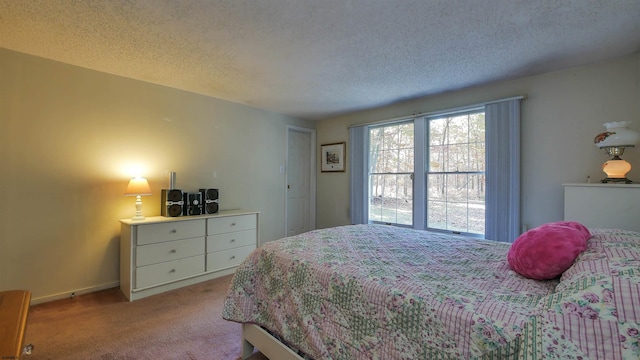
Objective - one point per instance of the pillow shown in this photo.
(547, 251)
(573, 224)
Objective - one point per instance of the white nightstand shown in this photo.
(603, 205)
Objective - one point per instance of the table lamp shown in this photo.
(138, 187)
(613, 142)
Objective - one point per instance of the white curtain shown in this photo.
(502, 122)
(359, 162)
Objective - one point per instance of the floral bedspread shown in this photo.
(381, 292)
(594, 312)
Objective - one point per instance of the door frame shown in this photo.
(312, 176)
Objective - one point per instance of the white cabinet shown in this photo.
(603, 205)
(161, 253)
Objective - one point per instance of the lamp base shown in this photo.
(616, 170)
(616, 180)
(138, 215)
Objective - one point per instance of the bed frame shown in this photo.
(255, 336)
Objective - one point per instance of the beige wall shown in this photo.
(563, 112)
(70, 138)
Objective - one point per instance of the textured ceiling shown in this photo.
(319, 58)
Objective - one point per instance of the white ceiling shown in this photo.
(315, 59)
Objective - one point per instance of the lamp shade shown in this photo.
(138, 186)
(617, 134)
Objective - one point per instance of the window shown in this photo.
(455, 173)
(468, 166)
(391, 173)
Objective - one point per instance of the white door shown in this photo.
(300, 186)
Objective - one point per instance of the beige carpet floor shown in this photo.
(180, 324)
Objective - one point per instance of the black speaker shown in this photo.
(171, 203)
(192, 203)
(210, 203)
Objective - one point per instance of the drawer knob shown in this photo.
(172, 270)
(173, 231)
(233, 224)
(173, 251)
(233, 257)
(233, 240)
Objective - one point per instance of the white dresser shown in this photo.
(164, 253)
(603, 205)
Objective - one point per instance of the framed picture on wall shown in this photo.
(333, 157)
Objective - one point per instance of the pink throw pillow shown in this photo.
(547, 251)
(573, 224)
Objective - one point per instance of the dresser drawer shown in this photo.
(231, 240)
(225, 224)
(168, 271)
(168, 251)
(227, 258)
(174, 230)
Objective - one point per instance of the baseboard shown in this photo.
(68, 294)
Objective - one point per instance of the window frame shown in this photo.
(427, 172)
(370, 173)
(421, 143)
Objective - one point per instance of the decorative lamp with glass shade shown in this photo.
(138, 187)
(613, 142)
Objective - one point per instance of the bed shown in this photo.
(382, 292)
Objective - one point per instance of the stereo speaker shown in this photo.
(192, 203)
(171, 203)
(210, 202)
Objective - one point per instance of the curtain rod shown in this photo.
(439, 112)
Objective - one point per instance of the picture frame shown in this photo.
(333, 157)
